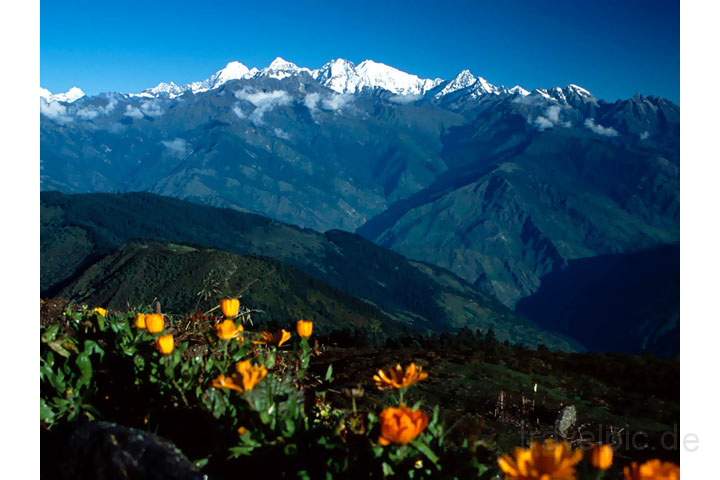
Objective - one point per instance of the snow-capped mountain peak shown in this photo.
(463, 79)
(577, 89)
(233, 71)
(281, 64)
(378, 75)
(70, 96)
(171, 89)
(345, 77)
(281, 68)
(338, 75)
(518, 90)
(482, 87)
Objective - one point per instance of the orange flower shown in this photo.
(140, 321)
(401, 425)
(242, 431)
(602, 457)
(652, 470)
(399, 377)
(226, 382)
(280, 338)
(227, 330)
(550, 460)
(251, 374)
(283, 337)
(165, 344)
(304, 328)
(155, 322)
(264, 338)
(230, 307)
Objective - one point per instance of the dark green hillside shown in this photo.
(622, 301)
(415, 294)
(186, 279)
(507, 219)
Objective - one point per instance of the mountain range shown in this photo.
(505, 187)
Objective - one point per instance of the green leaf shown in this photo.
(139, 362)
(46, 412)
(86, 372)
(100, 321)
(329, 373)
(289, 427)
(59, 348)
(426, 450)
(91, 346)
(50, 333)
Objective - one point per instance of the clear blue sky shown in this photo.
(615, 48)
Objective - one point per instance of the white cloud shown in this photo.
(543, 123)
(263, 101)
(90, 112)
(335, 102)
(550, 119)
(177, 147)
(151, 108)
(311, 101)
(133, 112)
(599, 129)
(54, 110)
(404, 99)
(238, 111)
(332, 103)
(553, 113)
(87, 113)
(280, 133)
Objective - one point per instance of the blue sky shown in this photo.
(615, 48)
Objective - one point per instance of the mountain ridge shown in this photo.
(414, 294)
(338, 74)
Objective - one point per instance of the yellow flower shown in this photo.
(280, 338)
(251, 374)
(401, 425)
(399, 377)
(140, 321)
(155, 322)
(242, 431)
(652, 470)
(550, 460)
(165, 344)
(304, 328)
(226, 382)
(602, 457)
(227, 330)
(100, 311)
(230, 307)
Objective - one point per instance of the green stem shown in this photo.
(182, 394)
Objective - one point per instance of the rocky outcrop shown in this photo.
(107, 451)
